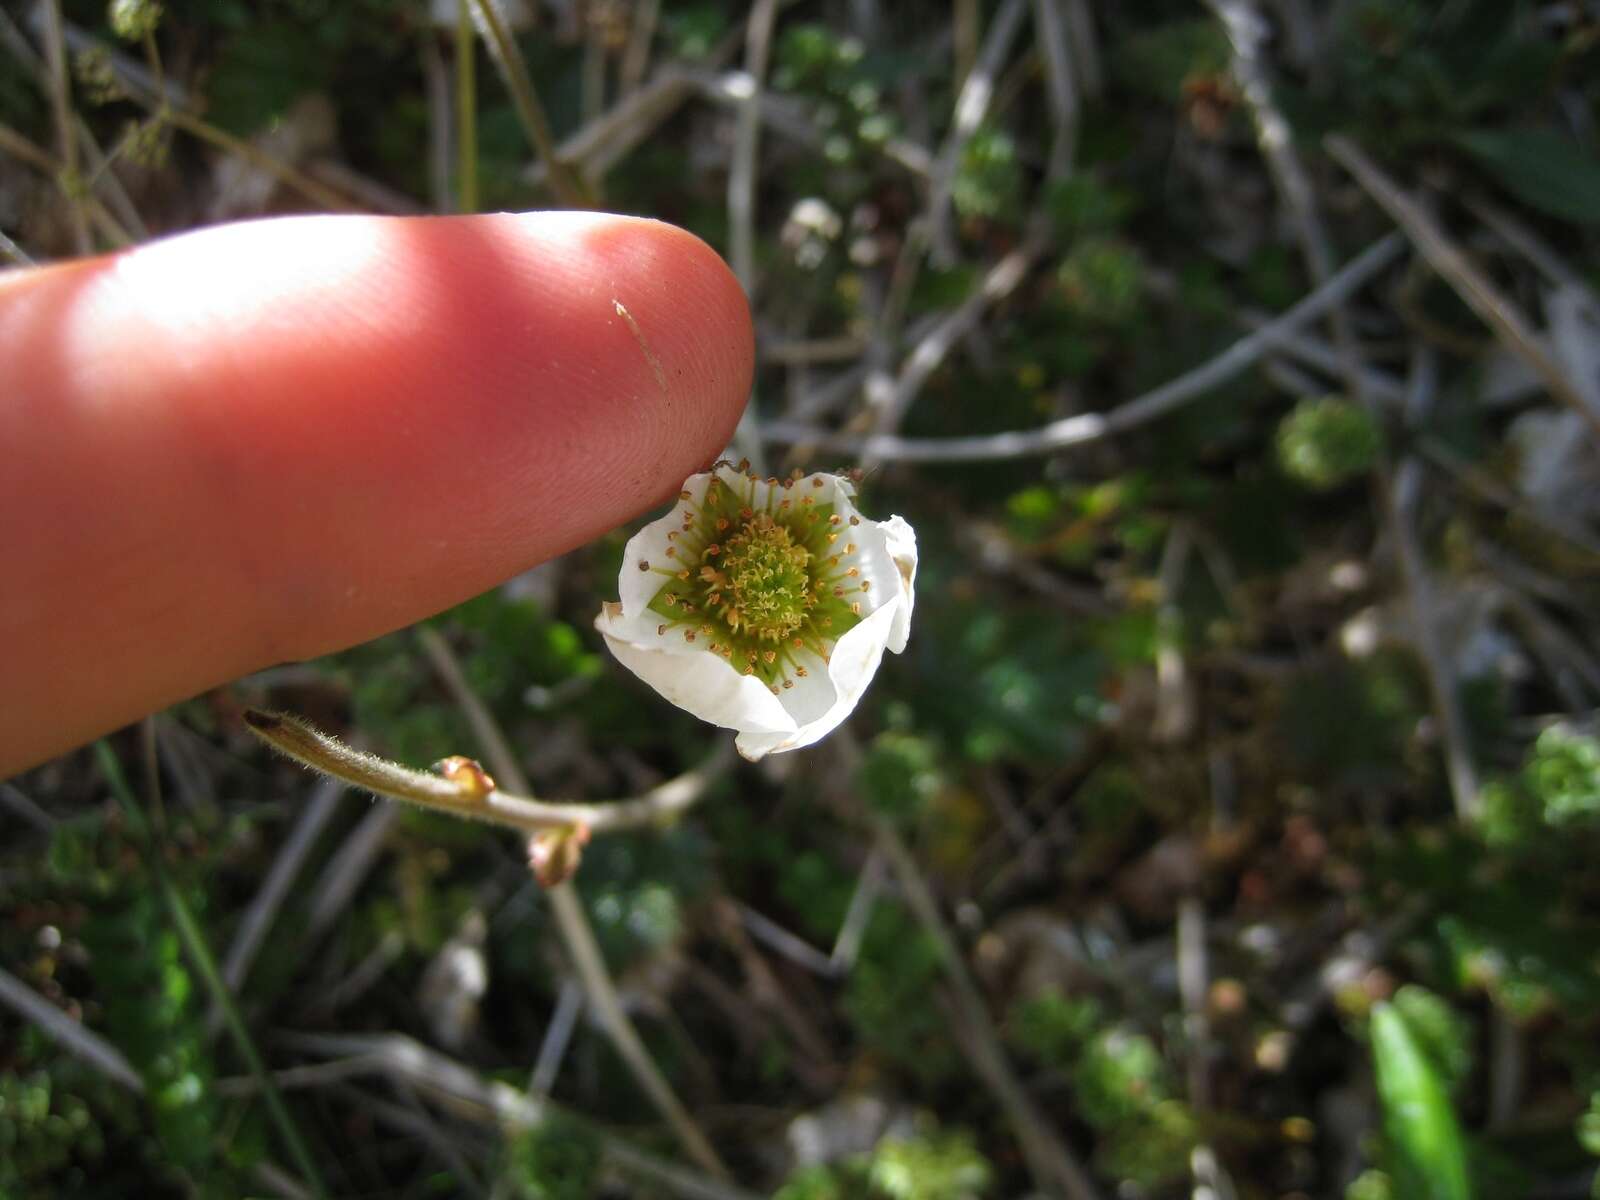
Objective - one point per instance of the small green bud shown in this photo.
(134, 20)
(1325, 443)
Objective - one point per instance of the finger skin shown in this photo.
(263, 442)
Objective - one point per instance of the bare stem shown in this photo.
(466, 111)
(1053, 1166)
(1470, 282)
(529, 111)
(473, 795)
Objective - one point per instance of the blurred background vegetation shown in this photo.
(1227, 829)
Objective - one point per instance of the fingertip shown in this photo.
(271, 440)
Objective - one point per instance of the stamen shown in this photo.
(672, 551)
(800, 671)
(855, 520)
(644, 564)
(684, 495)
(849, 547)
(688, 635)
(866, 585)
(856, 608)
(661, 631)
(817, 482)
(787, 684)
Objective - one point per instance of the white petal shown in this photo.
(854, 662)
(696, 680)
(902, 543)
(813, 693)
(649, 545)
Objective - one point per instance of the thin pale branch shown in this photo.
(498, 1103)
(1091, 427)
(1471, 283)
(69, 1034)
(575, 930)
(529, 111)
(1052, 1164)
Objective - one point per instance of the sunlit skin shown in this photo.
(263, 442)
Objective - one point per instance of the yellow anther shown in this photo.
(688, 635)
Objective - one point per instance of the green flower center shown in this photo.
(762, 575)
(769, 577)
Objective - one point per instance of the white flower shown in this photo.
(763, 605)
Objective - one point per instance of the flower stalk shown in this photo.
(462, 788)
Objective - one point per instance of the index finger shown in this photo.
(266, 441)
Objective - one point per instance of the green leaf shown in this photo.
(1544, 170)
(1420, 1124)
